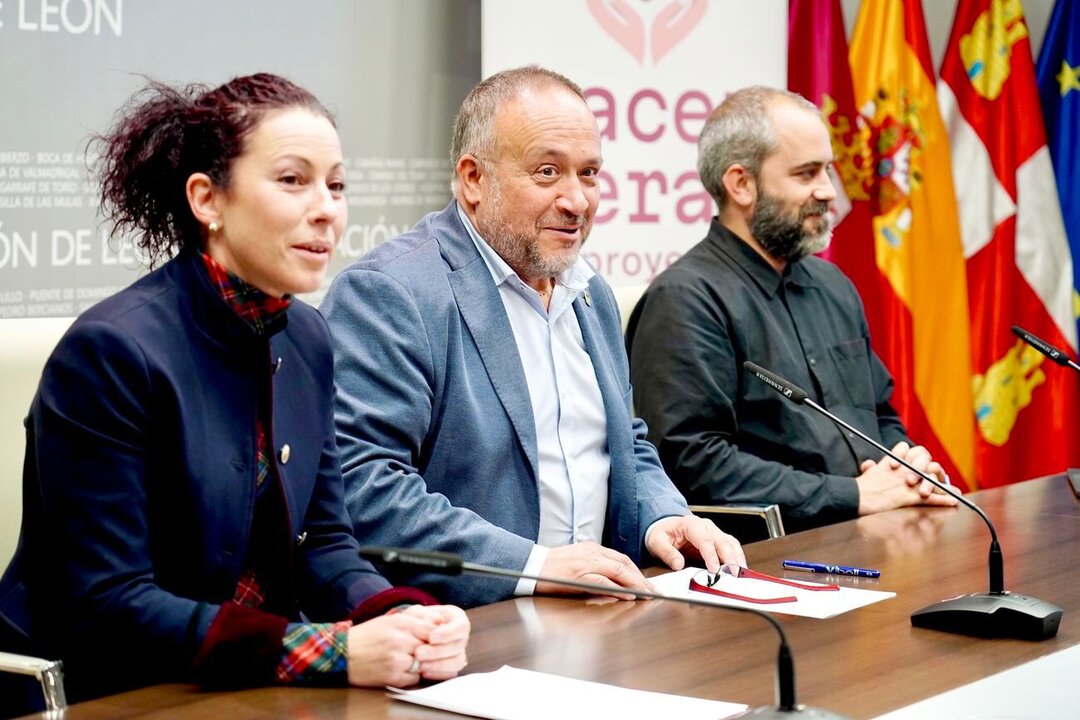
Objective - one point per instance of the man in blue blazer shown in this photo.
(484, 403)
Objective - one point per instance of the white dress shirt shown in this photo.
(568, 409)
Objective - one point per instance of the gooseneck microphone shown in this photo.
(996, 613)
(1058, 356)
(452, 564)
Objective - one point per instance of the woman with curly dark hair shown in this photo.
(183, 503)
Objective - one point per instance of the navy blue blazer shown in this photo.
(139, 480)
(434, 420)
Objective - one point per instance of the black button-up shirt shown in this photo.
(723, 435)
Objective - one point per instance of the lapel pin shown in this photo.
(588, 300)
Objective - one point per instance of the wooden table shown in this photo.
(862, 663)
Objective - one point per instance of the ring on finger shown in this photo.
(414, 668)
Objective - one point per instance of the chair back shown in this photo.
(25, 345)
(27, 684)
(626, 297)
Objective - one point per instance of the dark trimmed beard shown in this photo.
(521, 250)
(784, 235)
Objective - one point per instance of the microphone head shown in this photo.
(791, 391)
(1042, 346)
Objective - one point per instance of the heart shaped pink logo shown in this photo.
(672, 24)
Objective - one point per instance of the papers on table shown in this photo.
(513, 694)
(809, 603)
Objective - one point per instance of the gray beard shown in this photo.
(521, 251)
(783, 235)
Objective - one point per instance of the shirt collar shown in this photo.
(759, 269)
(252, 305)
(575, 278)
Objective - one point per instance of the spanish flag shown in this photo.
(906, 175)
(1018, 262)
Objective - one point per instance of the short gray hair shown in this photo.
(740, 132)
(474, 126)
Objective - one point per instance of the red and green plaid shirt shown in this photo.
(308, 649)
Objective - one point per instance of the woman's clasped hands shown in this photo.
(400, 649)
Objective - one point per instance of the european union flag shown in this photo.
(1058, 73)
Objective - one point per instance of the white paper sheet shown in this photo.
(808, 603)
(510, 693)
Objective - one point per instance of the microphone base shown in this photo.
(992, 615)
(801, 712)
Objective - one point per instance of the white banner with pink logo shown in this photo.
(652, 71)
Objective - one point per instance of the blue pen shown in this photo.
(830, 569)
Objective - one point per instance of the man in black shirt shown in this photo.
(751, 290)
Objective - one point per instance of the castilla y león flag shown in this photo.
(1018, 263)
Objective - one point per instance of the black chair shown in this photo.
(748, 523)
(33, 684)
(28, 684)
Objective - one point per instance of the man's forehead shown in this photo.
(535, 128)
(802, 139)
(558, 150)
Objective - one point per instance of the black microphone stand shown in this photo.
(996, 613)
(445, 563)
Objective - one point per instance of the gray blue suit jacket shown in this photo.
(434, 421)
